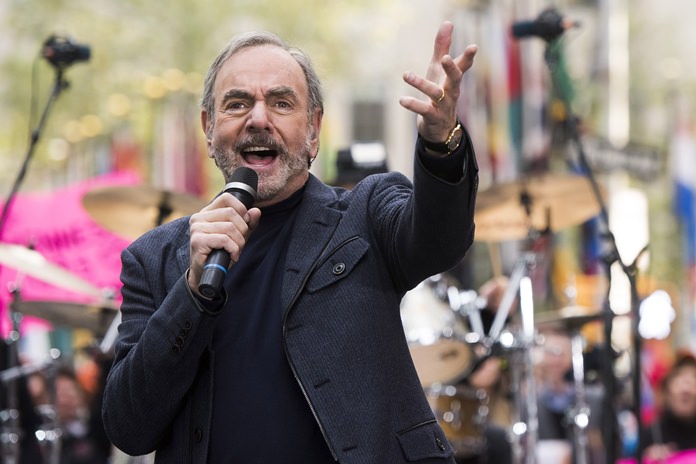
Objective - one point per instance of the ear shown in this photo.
(315, 130)
(206, 130)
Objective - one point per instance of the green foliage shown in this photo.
(136, 42)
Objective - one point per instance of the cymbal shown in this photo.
(555, 202)
(95, 317)
(34, 264)
(568, 318)
(130, 211)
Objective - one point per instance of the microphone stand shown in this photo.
(59, 85)
(610, 256)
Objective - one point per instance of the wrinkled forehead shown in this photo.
(261, 67)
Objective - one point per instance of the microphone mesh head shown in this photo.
(247, 176)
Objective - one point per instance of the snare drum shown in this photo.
(462, 412)
(435, 334)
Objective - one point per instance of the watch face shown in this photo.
(455, 138)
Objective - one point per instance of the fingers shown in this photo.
(444, 73)
(466, 60)
(435, 93)
(442, 67)
(440, 86)
(441, 47)
(225, 224)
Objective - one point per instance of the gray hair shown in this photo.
(255, 39)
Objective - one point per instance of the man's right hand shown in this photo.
(224, 224)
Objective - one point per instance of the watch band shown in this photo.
(454, 139)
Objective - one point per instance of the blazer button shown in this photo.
(339, 268)
(198, 435)
(440, 444)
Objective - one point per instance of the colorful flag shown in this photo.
(683, 171)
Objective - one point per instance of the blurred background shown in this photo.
(128, 116)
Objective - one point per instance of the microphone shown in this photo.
(549, 25)
(61, 52)
(243, 187)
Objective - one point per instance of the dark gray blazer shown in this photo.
(352, 256)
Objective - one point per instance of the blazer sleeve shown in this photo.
(155, 361)
(427, 228)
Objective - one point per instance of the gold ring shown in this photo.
(442, 96)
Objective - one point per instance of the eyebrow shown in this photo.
(281, 91)
(236, 94)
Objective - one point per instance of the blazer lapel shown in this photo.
(314, 226)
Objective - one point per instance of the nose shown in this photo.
(259, 117)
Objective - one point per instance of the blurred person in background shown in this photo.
(82, 439)
(674, 430)
(557, 405)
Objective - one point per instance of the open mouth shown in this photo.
(258, 155)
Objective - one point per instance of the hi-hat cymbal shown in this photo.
(95, 317)
(34, 264)
(569, 318)
(555, 202)
(130, 211)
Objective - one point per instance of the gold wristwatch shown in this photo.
(451, 144)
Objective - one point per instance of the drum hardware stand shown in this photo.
(529, 434)
(50, 432)
(106, 346)
(580, 413)
(525, 434)
(468, 304)
(12, 434)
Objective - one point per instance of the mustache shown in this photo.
(264, 140)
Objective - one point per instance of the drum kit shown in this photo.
(442, 323)
(125, 211)
(446, 335)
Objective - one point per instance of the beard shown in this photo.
(290, 164)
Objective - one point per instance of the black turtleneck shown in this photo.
(259, 413)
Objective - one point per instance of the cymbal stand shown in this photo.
(11, 435)
(579, 414)
(11, 432)
(525, 429)
(50, 432)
